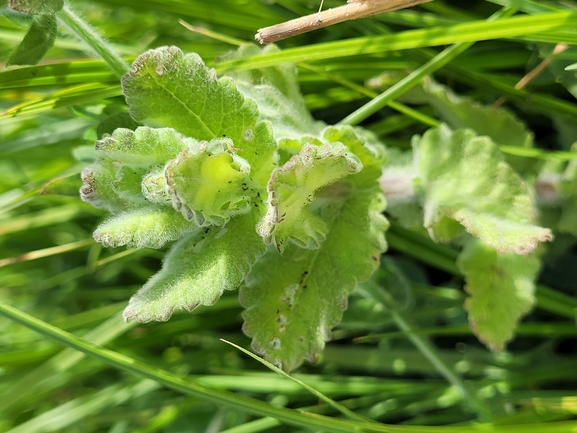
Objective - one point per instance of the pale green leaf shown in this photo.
(293, 300)
(502, 126)
(281, 77)
(178, 91)
(501, 289)
(361, 142)
(276, 91)
(106, 185)
(210, 183)
(155, 188)
(144, 147)
(291, 214)
(206, 181)
(498, 123)
(464, 177)
(198, 269)
(145, 227)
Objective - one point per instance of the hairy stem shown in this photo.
(84, 32)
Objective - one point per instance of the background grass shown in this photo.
(52, 270)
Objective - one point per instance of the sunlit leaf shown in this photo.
(291, 215)
(198, 269)
(277, 93)
(150, 227)
(501, 289)
(179, 91)
(463, 177)
(293, 300)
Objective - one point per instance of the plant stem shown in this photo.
(84, 32)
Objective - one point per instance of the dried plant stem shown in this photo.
(534, 73)
(354, 9)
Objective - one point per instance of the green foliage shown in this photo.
(291, 192)
(464, 177)
(276, 91)
(205, 182)
(229, 173)
(41, 33)
(198, 269)
(502, 290)
(293, 299)
(499, 124)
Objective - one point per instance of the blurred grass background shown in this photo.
(51, 269)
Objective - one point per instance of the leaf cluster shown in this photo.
(225, 182)
(219, 179)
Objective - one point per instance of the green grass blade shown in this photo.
(345, 411)
(467, 32)
(248, 404)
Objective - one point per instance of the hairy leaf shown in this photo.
(179, 91)
(38, 40)
(198, 269)
(114, 181)
(210, 183)
(502, 290)
(464, 177)
(40, 7)
(144, 147)
(293, 300)
(498, 123)
(108, 186)
(291, 194)
(145, 227)
(276, 91)
(360, 142)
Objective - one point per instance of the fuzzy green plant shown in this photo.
(255, 194)
(266, 196)
(218, 191)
